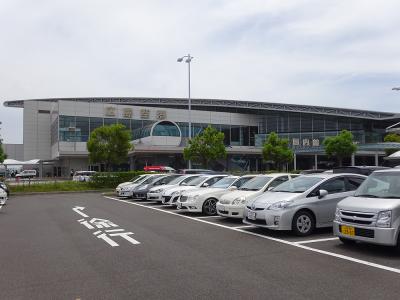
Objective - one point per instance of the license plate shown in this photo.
(179, 205)
(251, 215)
(347, 230)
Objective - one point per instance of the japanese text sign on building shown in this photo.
(161, 115)
(109, 111)
(145, 113)
(127, 113)
(105, 229)
(306, 142)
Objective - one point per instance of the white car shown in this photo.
(155, 193)
(83, 176)
(134, 180)
(170, 196)
(3, 198)
(127, 190)
(232, 205)
(205, 200)
(27, 174)
(302, 204)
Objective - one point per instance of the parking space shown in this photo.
(321, 241)
(131, 249)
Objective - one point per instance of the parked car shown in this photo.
(302, 204)
(372, 215)
(312, 171)
(4, 187)
(26, 174)
(232, 204)
(155, 193)
(205, 200)
(3, 198)
(364, 170)
(195, 171)
(134, 180)
(170, 196)
(140, 192)
(159, 169)
(127, 190)
(83, 176)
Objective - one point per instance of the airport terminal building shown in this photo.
(56, 131)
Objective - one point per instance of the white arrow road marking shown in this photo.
(78, 209)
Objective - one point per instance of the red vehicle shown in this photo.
(164, 169)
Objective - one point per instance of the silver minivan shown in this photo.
(302, 204)
(373, 214)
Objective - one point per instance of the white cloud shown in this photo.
(337, 53)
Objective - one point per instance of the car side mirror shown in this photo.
(183, 183)
(270, 188)
(322, 193)
(233, 188)
(205, 184)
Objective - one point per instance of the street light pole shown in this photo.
(188, 61)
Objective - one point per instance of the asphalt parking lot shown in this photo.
(88, 246)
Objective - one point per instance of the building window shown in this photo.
(165, 129)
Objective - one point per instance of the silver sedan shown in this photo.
(301, 204)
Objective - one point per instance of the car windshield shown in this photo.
(298, 185)
(151, 179)
(224, 182)
(166, 179)
(197, 180)
(380, 185)
(138, 178)
(256, 183)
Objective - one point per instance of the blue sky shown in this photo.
(334, 53)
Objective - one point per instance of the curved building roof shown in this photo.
(224, 105)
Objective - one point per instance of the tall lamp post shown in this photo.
(188, 58)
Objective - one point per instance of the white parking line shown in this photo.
(316, 241)
(205, 217)
(294, 244)
(244, 226)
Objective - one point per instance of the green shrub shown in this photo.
(50, 186)
(112, 179)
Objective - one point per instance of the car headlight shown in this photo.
(280, 205)
(193, 197)
(177, 193)
(224, 201)
(337, 214)
(384, 219)
(158, 191)
(240, 200)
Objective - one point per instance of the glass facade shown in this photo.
(301, 129)
(309, 130)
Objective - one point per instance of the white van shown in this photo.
(27, 174)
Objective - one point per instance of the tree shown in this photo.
(391, 138)
(340, 146)
(277, 150)
(205, 147)
(3, 155)
(109, 145)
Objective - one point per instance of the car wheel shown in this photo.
(347, 241)
(210, 207)
(303, 223)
